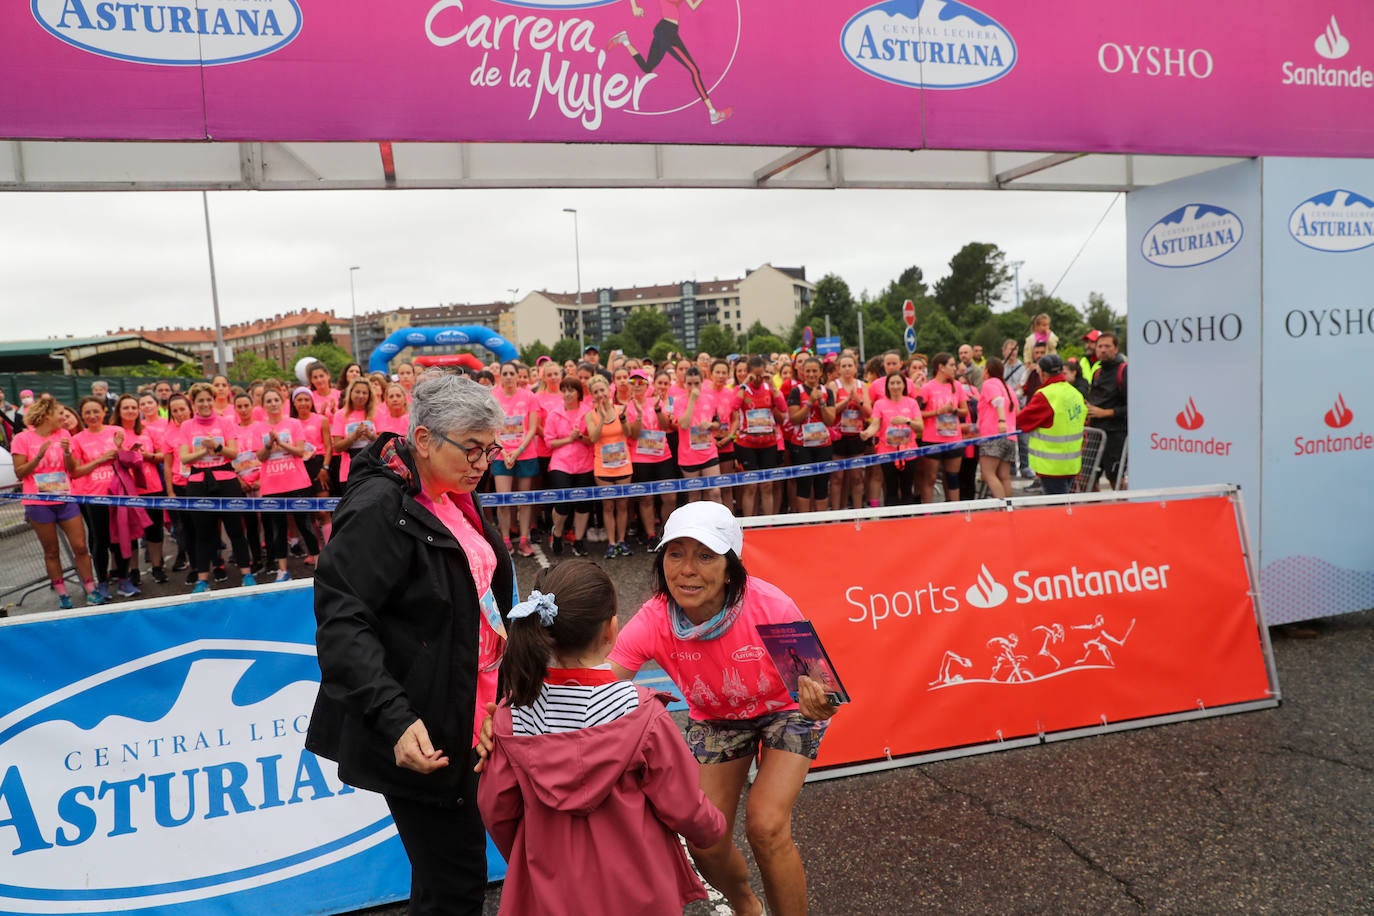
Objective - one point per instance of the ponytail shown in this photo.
(565, 613)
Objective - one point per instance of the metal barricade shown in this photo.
(22, 573)
(1094, 441)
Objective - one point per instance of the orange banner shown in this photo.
(970, 628)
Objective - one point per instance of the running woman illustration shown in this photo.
(668, 41)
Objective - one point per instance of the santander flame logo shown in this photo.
(1339, 415)
(1331, 44)
(987, 592)
(1190, 418)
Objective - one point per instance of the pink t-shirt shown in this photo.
(944, 426)
(197, 430)
(246, 463)
(342, 425)
(521, 413)
(172, 441)
(730, 677)
(994, 389)
(86, 447)
(575, 457)
(282, 472)
(892, 438)
(50, 476)
(324, 403)
(877, 389)
(695, 444)
(313, 429)
(147, 444)
(386, 423)
(651, 445)
(544, 402)
(482, 562)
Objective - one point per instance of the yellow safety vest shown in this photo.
(1088, 369)
(1057, 451)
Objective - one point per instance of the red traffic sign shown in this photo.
(909, 313)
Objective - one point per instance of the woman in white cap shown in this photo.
(700, 627)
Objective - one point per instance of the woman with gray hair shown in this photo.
(411, 595)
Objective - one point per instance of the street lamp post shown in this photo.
(1016, 268)
(577, 255)
(354, 299)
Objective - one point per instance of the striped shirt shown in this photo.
(566, 707)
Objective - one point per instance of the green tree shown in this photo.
(660, 348)
(249, 367)
(1064, 318)
(937, 334)
(334, 357)
(910, 284)
(566, 349)
(978, 274)
(642, 329)
(718, 340)
(530, 355)
(323, 334)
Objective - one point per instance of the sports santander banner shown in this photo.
(964, 629)
(1163, 77)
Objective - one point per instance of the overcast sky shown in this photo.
(85, 264)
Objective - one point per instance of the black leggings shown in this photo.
(562, 480)
(203, 485)
(274, 525)
(668, 41)
(98, 541)
(898, 489)
(817, 484)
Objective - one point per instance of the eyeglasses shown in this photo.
(477, 452)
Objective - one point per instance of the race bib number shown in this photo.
(815, 435)
(897, 436)
(283, 437)
(699, 438)
(758, 421)
(52, 482)
(351, 428)
(851, 421)
(652, 442)
(614, 455)
(512, 429)
(947, 425)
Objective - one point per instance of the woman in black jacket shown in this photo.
(410, 598)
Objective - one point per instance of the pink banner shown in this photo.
(1164, 77)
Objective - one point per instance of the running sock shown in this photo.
(59, 586)
(90, 585)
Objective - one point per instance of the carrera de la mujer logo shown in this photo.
(180, 33)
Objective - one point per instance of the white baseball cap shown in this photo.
(708, 522)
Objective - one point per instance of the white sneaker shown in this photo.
(720, 114)
(619, 38)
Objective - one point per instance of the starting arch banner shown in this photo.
(1223, 78)
(966, 630)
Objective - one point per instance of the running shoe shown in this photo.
(297, 549)
(94, 597)
(182, 563)
(579, 548)
(619, 38)
(525, 549)
(103, 590)
(127, 589)
(249, 581)
(624, 549)
(136, 577)
(283, 575)
(556, 545)
(720, 114)
(221, 574)
(159, 575)
(612, 550)
(64, 602)
(202, 585)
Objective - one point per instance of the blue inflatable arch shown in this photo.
(440, 337)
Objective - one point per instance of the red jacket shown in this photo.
(588, 819)
(1037, 412)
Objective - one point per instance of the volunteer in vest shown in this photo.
(761, 411)
(811, 412)
(281, 450)
(1054, 418)
(896, 427)
(700, 627)
(650, 459)
(852, 409)
(44, 463)
(996, 417)
(694, 415)
(517, 468)
(944, 407)
(1107, 405)
(404, 593)
(208, 448)
(610, 462)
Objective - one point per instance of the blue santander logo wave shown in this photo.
(1193, 234)
(1336, 220)
(160, 769)
(175, 33)
(929, 44)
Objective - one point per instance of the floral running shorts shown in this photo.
(723, 740)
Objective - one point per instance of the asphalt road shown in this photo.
(1264, 812)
